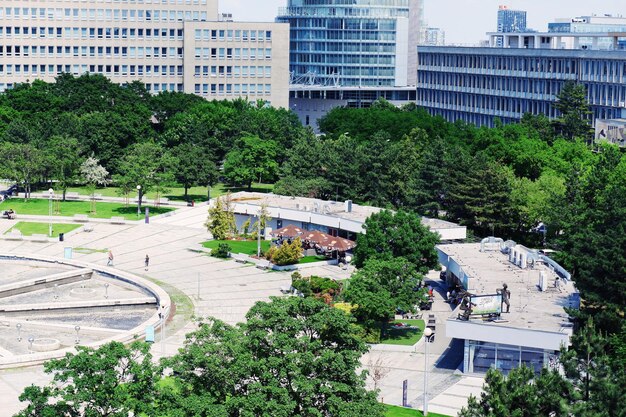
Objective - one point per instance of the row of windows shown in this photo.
(516, 63)
(90, 33)
(232, 71)
(355, 35)
(233, 53)
(92, 51)
(346, 47)
(230, 35)
(233, 89)
(130, 15)
(338, 59)
(77, 69)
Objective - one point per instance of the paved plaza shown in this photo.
(204, 286)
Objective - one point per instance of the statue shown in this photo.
(506, 296)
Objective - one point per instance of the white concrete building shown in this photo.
(344, 219)
(169, 45)
(536, 326)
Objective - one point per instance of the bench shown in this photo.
(97, 196)
(14, 235)
(198, 248)
(88, 228)
(118, 220)
(162, 201)
(81, 218)
(39, 238)
(264, 264)
(286, 289)
(72, 195)
(240, 257)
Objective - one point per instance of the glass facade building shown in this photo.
(359, 43)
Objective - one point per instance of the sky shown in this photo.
(465, 21)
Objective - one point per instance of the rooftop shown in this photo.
(530, 308)
(359, 213)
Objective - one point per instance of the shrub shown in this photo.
(286, 254)
(321, 285)
(296, 276)
(222, 251)
(303, 286)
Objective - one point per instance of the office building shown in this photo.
(167, 45)
(536, 325)
(478, 85)
(433, 37)
(350, 53)
(510, 21)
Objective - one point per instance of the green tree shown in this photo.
(221, 220)
(64, 161)
(293, 357)
(522, 394)
(113, 380)
(390, 235)
(193, 166)
(575, 117)
(251, 159)
(381, 287)
(22, 163)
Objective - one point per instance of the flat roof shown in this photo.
(359, 212)
(530, 308)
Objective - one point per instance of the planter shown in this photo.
(304, 266)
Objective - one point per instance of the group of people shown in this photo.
(146, 261)
(9, 214)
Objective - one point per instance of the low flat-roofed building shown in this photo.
(344, 219)
(536, 326)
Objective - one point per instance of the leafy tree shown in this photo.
(193, 166)
(64, 160)
(381, 287)
(113, 380)
(252, 158)
(22, 163)
(293, 357)
(575, 112)
(93, 174)
(221, 220)
(522, 394)
(390, 235)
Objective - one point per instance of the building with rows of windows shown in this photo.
(169, 45)
(525, 75)
(350, 53)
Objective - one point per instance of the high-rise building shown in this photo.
(362, 43)
(510, 21)
(526, 75)
(167, 45)
(350, 53)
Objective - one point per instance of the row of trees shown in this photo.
(48, 129)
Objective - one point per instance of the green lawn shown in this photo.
(29, 229)
(249, 247)
(69, 208)
(311, 259)
(395, 411)
(178, 193)
(407, 337)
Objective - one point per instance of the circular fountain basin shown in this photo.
(45, 345)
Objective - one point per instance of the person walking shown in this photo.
(110, 261)
(147, 261)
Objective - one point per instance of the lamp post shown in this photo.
(77, 328)
(163, 330)
(106, 290)
(50, 194)
(428, 333)
(18, 326)
(138, 201)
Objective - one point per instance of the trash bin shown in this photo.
(61, 237)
